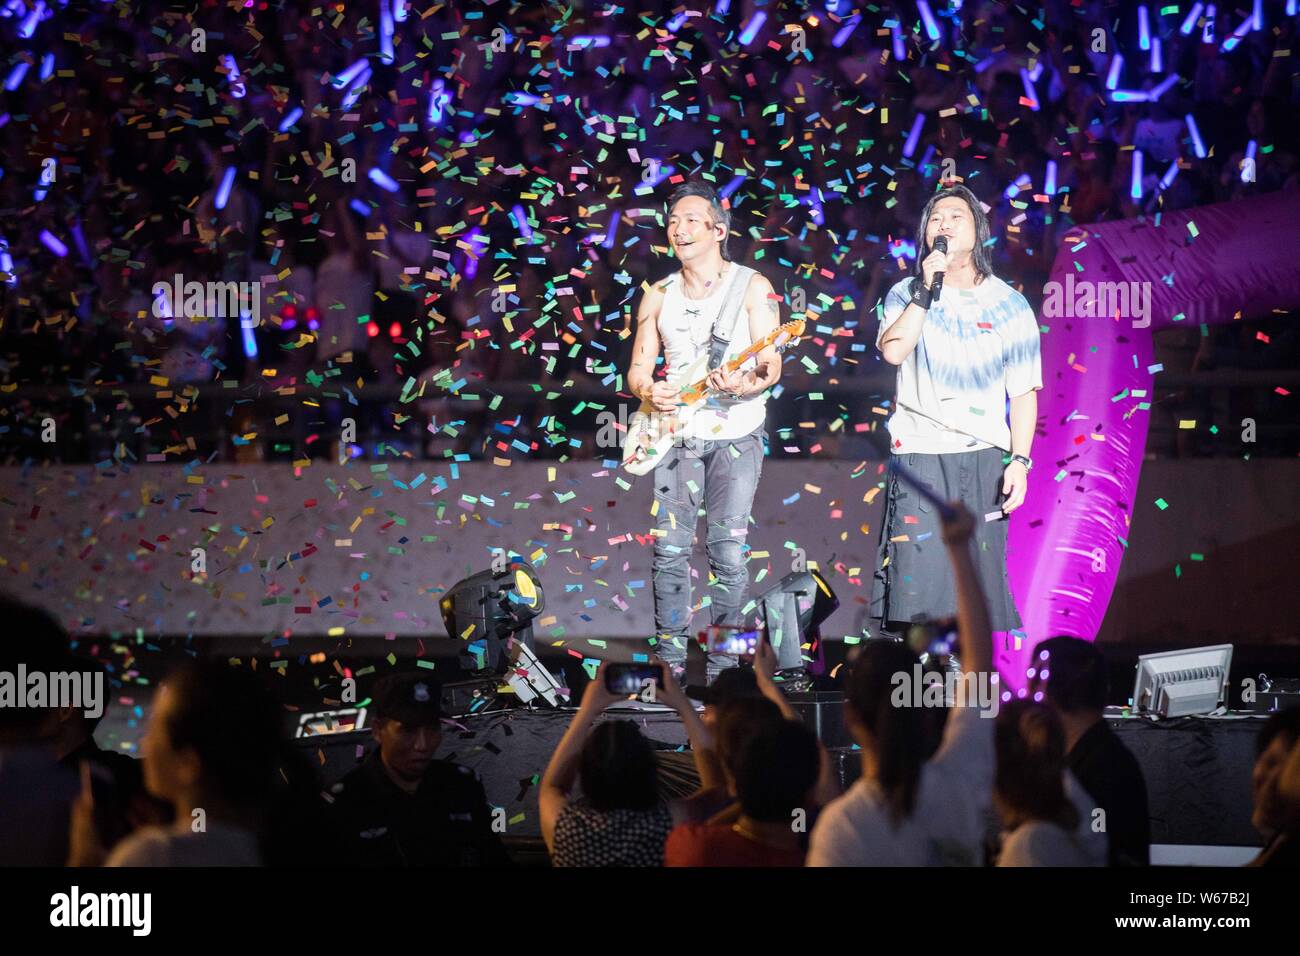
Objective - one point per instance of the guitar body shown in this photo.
(651, 433)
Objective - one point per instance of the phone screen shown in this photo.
(631, 678)
(729, 639)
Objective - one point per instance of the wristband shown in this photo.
(1027, 462)
(921, 296)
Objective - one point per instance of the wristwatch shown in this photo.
(1027, 462)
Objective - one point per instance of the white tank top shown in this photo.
(686, 329)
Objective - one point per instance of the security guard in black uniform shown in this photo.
(401, 807)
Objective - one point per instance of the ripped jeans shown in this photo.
(724, 473)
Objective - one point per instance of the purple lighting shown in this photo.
(1163, 87)
(385, 33)
(909, 147)
(1144, 28)
(843, 33)
(290, 118)
(233, 76)
(611, 232)
(223, 191)
(1171, 173)
(354, 92)
(1029, 89)
(1242, 29)
(347, 76)
(732, 186)
(383, 180)
(931, 28)
(51, 242)
(521, 223)
(1196, 136)
(1189, 23)
(438, 100)
(1112, 75)
(246, 335)
(28, 25)
(15, 78)
(751, 29)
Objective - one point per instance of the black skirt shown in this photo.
(913, 579)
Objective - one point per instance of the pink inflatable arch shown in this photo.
(1202, 265)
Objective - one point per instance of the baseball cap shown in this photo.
(733, 683)
(414, 699)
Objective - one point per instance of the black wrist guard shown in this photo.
(920, 294)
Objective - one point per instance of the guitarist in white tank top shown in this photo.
(717, 463)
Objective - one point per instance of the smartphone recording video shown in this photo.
(631, 678)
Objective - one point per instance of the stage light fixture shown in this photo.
(791, 613)
(492, 611)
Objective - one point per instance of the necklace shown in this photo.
(708, 286)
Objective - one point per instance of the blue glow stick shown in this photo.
(927, 18)
(51, 242)
(1112, 75)
(233, 77)
(15, 78)
(223, 191)
(1196, 136)
(290, 118)
(910, 145)
(1171, 173)
(383, 180)
(843, 33)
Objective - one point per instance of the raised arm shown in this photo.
(562, 772)
(901, 337)
(973, 631)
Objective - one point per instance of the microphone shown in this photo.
(936, 286)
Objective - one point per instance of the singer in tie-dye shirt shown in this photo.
(964, 415)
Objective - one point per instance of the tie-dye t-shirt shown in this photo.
(978, 347)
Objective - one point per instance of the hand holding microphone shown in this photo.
(934, 265)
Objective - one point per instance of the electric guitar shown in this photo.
(651, 433)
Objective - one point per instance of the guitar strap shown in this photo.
(724, 326)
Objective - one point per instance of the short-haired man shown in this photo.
(718, 455)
